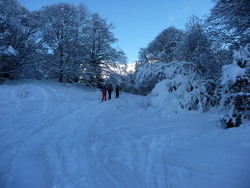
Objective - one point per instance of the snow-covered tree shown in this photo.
(162, 47)
(235, 96)
(192, 45)
(147, 75)
(195, 47)
(99, 47)
(18, 40)
(60, 31)
(230, 18)
(181, 83)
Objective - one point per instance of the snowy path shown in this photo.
(58, 136)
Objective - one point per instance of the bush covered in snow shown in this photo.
(235, 96)
(183, 85)
(148, 75)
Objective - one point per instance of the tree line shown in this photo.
(205, 65)
(60, 41)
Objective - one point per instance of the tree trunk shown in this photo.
(61, 75)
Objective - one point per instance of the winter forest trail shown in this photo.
(62, 136)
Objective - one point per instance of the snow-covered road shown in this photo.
(62, 136)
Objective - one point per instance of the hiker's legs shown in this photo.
(109, 95)
(104, 96)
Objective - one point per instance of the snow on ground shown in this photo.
(62, 137)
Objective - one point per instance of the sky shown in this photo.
(137, 22)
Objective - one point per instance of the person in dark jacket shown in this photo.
(110, 89)
(117, 91)
(104, 93)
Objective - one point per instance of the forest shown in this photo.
(204, 66)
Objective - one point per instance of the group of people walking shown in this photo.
(109, 89)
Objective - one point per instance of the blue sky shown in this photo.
(137, 22)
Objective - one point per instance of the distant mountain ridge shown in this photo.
(121, 68)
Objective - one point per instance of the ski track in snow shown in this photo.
(58, 136)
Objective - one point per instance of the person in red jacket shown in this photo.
(104, 93)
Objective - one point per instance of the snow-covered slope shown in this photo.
(131, 67)
(62, 136)
(121, 69)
